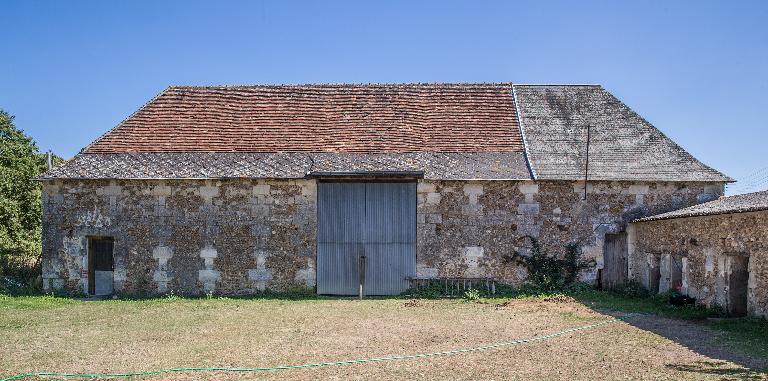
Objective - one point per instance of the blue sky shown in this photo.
(697, 70)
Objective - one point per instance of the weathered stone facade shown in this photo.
(705, 248)
(244, 236)
(471, 229)
(189, 237)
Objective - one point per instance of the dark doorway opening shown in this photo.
(738, 283)
(100, 265)
(654, 274)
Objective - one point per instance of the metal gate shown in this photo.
(375, 220)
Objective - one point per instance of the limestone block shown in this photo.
(110, 190)
(259, 275)
(472, 209)
(162, 254)
(209, 192)
(424, 187)
(424, 271)
(433, 198)
(532, 209)
(208, 278)
(309, 189)
(208, 253)
(709, 264)
(472, 255)
(528, 190)
(261, 258)
(161, 276)
(261, 189)
(307, 275)
(638, 189)
(473, 191)
(161, 191)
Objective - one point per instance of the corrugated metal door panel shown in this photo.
(390, 212)
(377, 220)
(341, 218)
(338, 271)
(341, 209)
(390, 237)
(388, 265)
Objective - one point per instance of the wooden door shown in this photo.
(615, 254)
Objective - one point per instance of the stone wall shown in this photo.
(472, 228)
(187, 237)
(243, 236)
(704, 248)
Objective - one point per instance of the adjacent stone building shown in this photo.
(716, 252)
(241, 189)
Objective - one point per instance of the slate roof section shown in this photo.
(742, 203)
(623, 145)
(205, 165)
(364, 118)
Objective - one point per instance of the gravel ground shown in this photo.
(117, 336)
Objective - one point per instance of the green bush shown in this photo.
(472, 295)
(548, 273)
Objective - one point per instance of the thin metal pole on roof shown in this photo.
(586, 164)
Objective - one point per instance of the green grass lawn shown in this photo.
(42, 333)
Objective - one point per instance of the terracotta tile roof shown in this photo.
(321, 118)
(742, 203)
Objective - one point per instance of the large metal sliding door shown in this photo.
(374, 219)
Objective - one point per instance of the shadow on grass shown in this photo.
(716, 368)
(739, 341)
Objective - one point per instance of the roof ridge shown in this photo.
(346, 84)
(379, 84)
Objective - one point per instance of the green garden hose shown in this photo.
(323, 364)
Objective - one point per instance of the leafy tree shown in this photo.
(20, 207)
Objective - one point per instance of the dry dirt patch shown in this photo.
(134, 336)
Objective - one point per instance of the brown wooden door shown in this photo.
(614, 260)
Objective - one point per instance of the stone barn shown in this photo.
(242, 189)
(716, 252)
